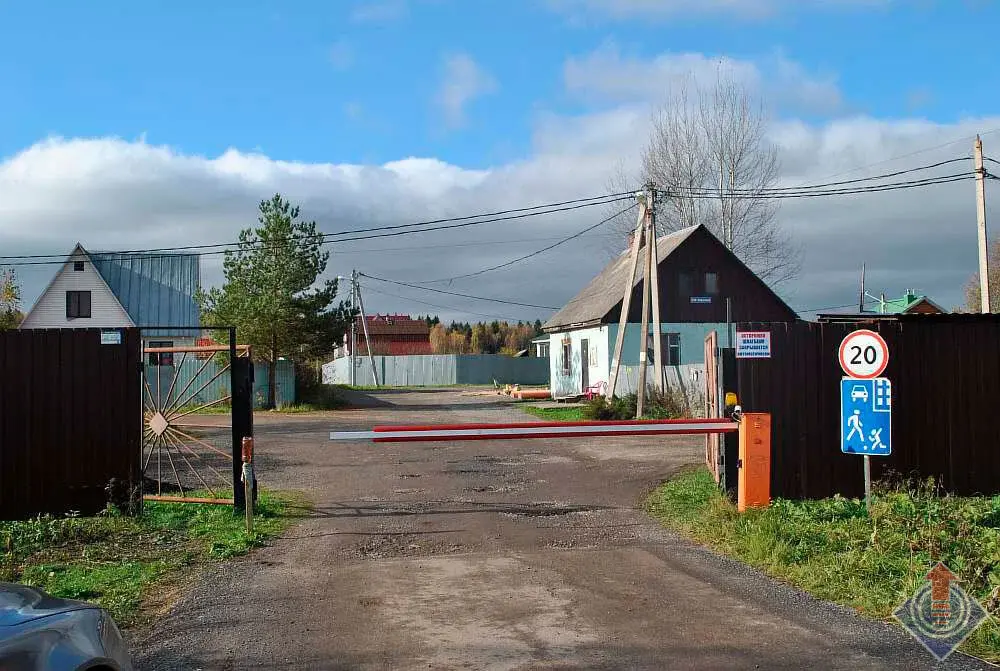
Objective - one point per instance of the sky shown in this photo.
(154, 124)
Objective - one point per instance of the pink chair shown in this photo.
(593, 390)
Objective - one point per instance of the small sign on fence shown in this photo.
(111, 337)
(753, 344)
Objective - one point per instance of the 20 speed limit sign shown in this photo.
(863, 354)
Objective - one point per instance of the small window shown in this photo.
(77, 304)
(567, 358)
(670, 349)
(161, 358)
(78, 266)
(673, 349)
(684, 285)
(711, 283)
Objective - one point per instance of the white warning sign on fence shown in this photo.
(753, 344)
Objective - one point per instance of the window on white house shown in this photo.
(567, 358)
(711, 283)
(78, 266)
(77, 304)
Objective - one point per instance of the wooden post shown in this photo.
(655, 278)
(616, 359)
(643, 362)
(984, 263)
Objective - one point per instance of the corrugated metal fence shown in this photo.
(945, 373)
(440, 369)
(209, 385)
(70, 420)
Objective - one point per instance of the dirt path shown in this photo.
(494, 555)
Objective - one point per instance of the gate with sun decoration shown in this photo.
(197, 411)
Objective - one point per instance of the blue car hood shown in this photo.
(20, 604)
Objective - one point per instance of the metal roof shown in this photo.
(605, 291)
(155, 289)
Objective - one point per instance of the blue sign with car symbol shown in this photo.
(865, 416)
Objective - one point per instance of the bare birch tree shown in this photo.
(709, 155)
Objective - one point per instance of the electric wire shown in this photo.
(536, 252)
(460, 295)
(436, 305)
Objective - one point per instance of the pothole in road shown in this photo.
(404, 476)
(395, 545)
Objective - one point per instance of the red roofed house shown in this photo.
(391, 335)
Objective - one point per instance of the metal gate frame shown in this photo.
(241, 377)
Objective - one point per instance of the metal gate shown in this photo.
(197, 408)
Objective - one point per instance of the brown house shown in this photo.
(698, 275)
(391, 335)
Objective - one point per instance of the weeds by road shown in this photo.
(833, 549)
(569, 414)
(114, 560)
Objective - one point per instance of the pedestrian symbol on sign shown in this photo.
(865, 416)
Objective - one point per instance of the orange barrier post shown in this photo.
(755, 461)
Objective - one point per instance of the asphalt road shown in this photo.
(494, 555)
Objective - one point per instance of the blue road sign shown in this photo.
(865, 416)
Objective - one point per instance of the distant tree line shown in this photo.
(496, 337)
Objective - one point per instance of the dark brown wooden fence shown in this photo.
(70, 420)
(945, 372)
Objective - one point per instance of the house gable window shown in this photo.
(77, 305)
(78, 266)
(711, 284)
(684, 284)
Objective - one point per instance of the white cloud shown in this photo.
(463, 81)
(114, 194)
(380, 11)
(342, 55)
(606, 75)
(669, 9)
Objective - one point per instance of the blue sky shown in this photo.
(131, 125)
(356, 82)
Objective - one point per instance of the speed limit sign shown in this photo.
(863, 354)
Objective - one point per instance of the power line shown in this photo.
(537, 252)
(453, 293)
(457, 245)
(770, 195)
(967, 138)
(440, 307)
(152, 253)
(929, 166)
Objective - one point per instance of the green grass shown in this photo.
(834, 550)
(570, 414)
(116, 561)
(218, 409)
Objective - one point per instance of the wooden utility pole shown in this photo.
(616, 359)
(984, 264)
(368, 342)
(640, 389)
(655, 279)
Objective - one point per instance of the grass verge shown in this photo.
(832, 549)
(115, 560)
(570, 414)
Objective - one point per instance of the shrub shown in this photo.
(669, 404)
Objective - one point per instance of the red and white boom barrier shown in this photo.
(456, 432)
